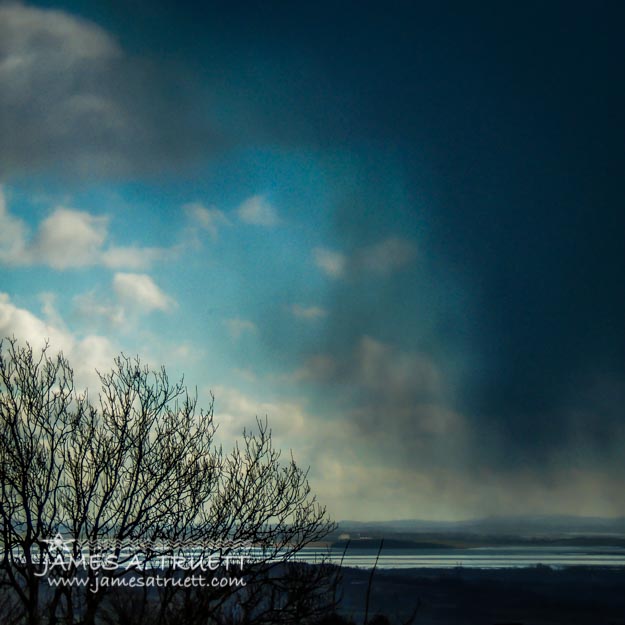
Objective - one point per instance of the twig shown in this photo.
(368, 596)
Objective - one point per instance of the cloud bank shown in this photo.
(73, 102)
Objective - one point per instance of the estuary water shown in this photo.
(475, 557)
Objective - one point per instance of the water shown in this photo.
(475, 557)
(444, 558)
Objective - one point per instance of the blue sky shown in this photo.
(396, 233)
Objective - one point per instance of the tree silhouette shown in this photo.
(137, 479)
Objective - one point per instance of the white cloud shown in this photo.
(186, 353)
(134, 257)
(309, 313)
(91, 307)
(209, 219)
(237, 410)
(258, 211)
(91, 353)
(84, 354)
(382, 259)
(342, 467)
(331, 263)
(28, 327)
(135, 295)
(138, 292)
(237, 327)
(49, 310)
(69, 239)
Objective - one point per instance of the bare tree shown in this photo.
(38, 412)
(132, 478)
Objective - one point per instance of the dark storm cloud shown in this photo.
(73, 102)
(508, 122)
(531, 212)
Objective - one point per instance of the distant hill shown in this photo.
(389, 543)
(547, 530)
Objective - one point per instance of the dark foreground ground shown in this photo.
(528, 596)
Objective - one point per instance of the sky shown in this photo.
(394, 229)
